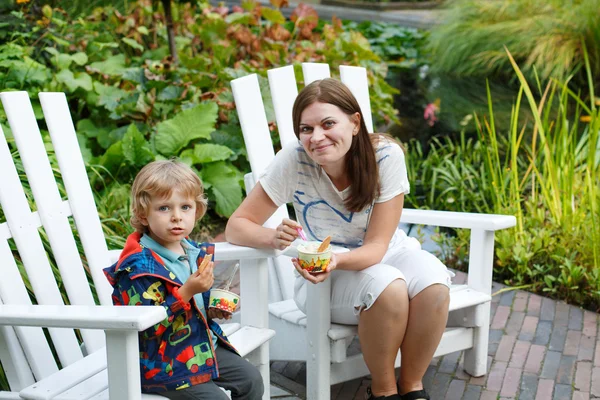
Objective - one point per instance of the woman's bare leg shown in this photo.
(381, 331)
(427, 317)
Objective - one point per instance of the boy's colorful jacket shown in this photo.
(177, 352)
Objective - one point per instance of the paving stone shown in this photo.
(428, 378)
(510, 385)
(489, 395)
(597, 355)
(519, 354)
(455, 390)
(545, 389)
(561, 316)
(595, 390)
(496, 376)
(572, 343)
(361, 393)
(500, 317)
(529, 384)
(515, 321)
(547, 310)
(558, 337)
(449, 363)
(493, 308)
(278, 366)
(440, 385)
(566, 368)
(543, 332)
(590, 323)
(505, 348)
(349, 389)
(535, 359)
(581, 396)
(520, 302)
(534, 305)
(472, 392)
(562, 392)
(551, 364)
(575, 318)
(507, 298)
(586, 348)
(528, 328)
(583, 376)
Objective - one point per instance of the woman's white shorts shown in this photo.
(355, 291)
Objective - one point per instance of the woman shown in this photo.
(348, 184)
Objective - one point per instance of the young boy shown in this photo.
(186, 356)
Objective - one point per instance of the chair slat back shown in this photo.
(357, 81)
(14, 361)
(49, 203)
(284, 90)
(79, 191)
(23, 225)
(315, 71)
(12, 288)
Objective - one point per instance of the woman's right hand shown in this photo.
(285, 234)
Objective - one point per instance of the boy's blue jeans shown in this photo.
(236, 375)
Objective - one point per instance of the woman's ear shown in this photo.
(356, 120)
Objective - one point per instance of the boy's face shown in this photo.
(170, 219)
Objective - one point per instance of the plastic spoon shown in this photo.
(301, 233)
(237, 265)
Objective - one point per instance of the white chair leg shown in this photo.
(318, 364)
(122, 354)
(476, 357)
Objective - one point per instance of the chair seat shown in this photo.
(461, 296)
(92, 375)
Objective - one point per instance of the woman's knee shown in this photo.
(394, 299)
(435, 298)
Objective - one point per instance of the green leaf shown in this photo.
(238, 18)
(273, 15)
(109, 96)
(133, 43)
(224, 184)
(143, 30)
(111, 66)
(63, 61)
(80, 58)
(135, 147)
(112, 159)
(174, 134)
(208, 152)
(74, 81)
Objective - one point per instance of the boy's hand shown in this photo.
(218, 314)
(198, 282)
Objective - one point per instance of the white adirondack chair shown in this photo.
(108, 367)
(313, 337)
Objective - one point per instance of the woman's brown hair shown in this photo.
(361, 164)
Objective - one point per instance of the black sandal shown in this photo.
(370, 396)
(415, 395)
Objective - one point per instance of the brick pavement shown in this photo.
(539, 349)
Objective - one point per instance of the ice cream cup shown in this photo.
(312, 260)
(223, 300)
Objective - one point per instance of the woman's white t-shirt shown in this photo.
(294, 177)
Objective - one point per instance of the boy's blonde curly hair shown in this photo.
(159, 179)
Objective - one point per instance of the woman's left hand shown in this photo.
(318, 277)
(213, 313)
